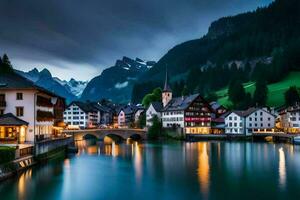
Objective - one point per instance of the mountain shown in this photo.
(204, 63)
(71, 90)
(116, 82)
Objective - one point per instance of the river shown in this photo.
(164, 170)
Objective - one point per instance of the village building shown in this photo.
(38, 110)
(253, 120)
(154, 109)
(191, 113)
(129, 115)
(81, 115)
(289, 119)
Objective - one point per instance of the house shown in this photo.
(23, 102)
(253, 120)
(12, 129)
(217, 109)
(129, 115)
(191, 113)
(290, 119)
(154, 109)
(82, 114)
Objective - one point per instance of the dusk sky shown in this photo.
(79, 39)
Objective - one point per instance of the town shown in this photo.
(35, 121)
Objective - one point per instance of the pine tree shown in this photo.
(292, 96)
(261, 93)
(6, 66)
(236, 93)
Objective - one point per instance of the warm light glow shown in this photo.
(198, 130)
(282, 169)
(22, 183)
(203, 167)
(137, 161)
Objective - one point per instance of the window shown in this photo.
(235, 125)
(261, 119)
(19, 96)
(235, 118)
(261, 125)
(19, 111)
(269, 125)
(261, 113)
(269, 119)
(250, 125)
(250, 118)
(230, 118)
(1, 111)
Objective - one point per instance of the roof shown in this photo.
(130, 109)
(10, 120)
(215, 105)
(85, 106)
(180, 103)
(246, 113)
(9, 81)
(158, 106)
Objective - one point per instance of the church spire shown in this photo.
(166, 86)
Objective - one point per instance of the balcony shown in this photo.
(44, 116)
(2, 103)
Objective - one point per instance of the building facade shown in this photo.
(253, 120)
(154, 109)
(82, 115)
(32, 104)
(290, 119)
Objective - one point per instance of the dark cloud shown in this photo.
(96, 32)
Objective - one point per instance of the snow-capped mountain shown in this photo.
(116, 82)
(71, 89)
(74, 86)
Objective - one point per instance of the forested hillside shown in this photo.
(261, 44)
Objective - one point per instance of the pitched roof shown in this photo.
(85, 106)
(158, 106)
(246, 113)
(180, 103)
(15, 81)
(10, 120)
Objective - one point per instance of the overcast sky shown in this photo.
(76, 38)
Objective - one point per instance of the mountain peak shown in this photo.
(46, 73)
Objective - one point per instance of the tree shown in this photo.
(142, 120)
(211, 96)
(261, 93)
(5, 65)
(155, 130)
(152, 97)
(185, 91)
(236, 92)
(291, 96)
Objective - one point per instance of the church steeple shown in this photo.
(166, 86)
(167, 92)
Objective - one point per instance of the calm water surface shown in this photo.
(173, 170)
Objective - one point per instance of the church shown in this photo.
(190, 113)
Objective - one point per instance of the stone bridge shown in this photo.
(101, 133)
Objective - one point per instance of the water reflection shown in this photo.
(174, 170)
(203, 167)
(282, 169)
(22, 182)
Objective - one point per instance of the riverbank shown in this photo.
(15, 167)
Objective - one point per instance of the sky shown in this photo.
(78, 39)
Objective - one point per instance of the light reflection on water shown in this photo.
(171, 170)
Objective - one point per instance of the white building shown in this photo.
(290, 120)
(154, 109)
(83, 115)
(253, 120)
(30, 103)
